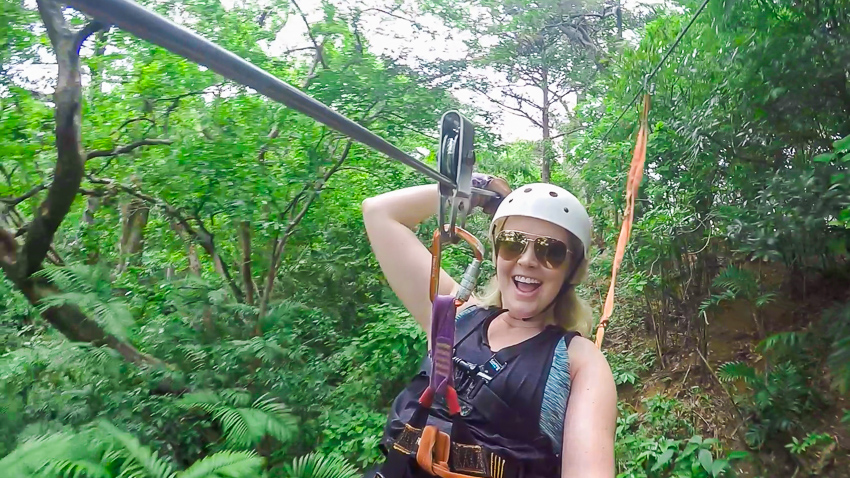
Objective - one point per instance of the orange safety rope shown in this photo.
(632, 186)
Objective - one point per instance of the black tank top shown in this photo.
(519, 384)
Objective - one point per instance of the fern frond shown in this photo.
(194, 354)
(764, 299)
(315, 465)
(839, 363)
(74, 469)
(243, 309)
(74, 278)
(264, 349)
(139, 460)
(114, 316)
(787, 340)
(736, 279)
(236, 397)
(244, 426)
(203, 399)
(29, 457)
(225, 464)
(731, 371)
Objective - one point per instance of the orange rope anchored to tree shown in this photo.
(632, 186)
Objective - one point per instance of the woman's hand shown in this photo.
(489, 204)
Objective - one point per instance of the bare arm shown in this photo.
(406, 262)
(591, 418)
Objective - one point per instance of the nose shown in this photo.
(528, 257)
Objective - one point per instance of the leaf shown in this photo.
(315, 465)
(140, 461)
(705, 459)
(824, 158)
(842, 145)
(718, 467)
(225, 464)
(76, 468)
(664, 459)
(34, 453)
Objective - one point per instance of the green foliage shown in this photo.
(627, 368)
(780, 399)
(89, 289)
(319, 466)
(812, 440)
(112, 453)
(245, 423)
(645, 448)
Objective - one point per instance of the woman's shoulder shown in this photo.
(584, 355)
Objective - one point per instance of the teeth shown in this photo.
(526, 280)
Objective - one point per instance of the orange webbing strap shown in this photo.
(632, 186)
(433, 454)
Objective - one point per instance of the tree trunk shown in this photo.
(279, 243)
(135, 214)
(545, 170)
(245, 267)
(92, 243)
(191, 252)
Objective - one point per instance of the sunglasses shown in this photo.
(510, 245)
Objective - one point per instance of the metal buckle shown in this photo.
(468, 459)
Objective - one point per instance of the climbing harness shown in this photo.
(632, 187)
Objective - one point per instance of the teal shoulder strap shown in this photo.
(553, 409)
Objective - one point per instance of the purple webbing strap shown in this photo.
(443, 313)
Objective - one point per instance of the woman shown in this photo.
(541, 236)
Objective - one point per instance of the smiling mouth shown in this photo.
(526, 284)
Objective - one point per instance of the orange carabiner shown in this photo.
(471, 273)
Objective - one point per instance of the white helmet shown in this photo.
(549, 203)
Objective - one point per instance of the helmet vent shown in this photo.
(553, 194)
(527, 190)
(567, 210)
(511, 200)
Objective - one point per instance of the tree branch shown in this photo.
(12, 202)
(87, 31)
(566, 133)
(293, 50)
(319, 54)
(127, 148)
(516, 110)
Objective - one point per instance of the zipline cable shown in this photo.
(655, 70)
(156, 29)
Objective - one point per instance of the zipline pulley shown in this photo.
(455, 160)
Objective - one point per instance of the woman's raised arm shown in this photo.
(390, 219)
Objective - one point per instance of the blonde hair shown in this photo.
(571, 312)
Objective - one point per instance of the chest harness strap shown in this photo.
(436, 453)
